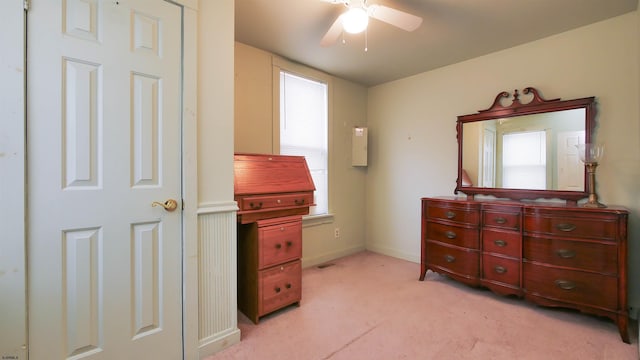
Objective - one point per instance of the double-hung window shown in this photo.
(304, 129)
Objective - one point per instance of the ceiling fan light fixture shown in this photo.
(355, 20)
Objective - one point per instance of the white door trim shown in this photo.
(13, 323)
(190, 179)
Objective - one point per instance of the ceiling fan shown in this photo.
(356, 19)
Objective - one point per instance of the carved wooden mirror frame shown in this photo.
(537, 105)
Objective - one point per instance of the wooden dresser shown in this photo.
(272, 192)
(550, 254)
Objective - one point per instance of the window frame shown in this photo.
(280, 64)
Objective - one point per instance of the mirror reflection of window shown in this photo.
(524, 159)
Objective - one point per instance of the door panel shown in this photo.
(103, 145)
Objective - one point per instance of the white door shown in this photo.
(570, 169)
(488, 158)
(103, 122)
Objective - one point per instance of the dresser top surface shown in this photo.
(526, 204)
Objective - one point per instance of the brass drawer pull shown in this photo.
(500, 269)
(501, 220)
(278, 246)
(288, 286)
(450, 214)
(566, 254)
(565, 284)
(449, 258)
(450, 234)
(299, 202)
(289, 243)
(256, 206)
(500, 243)
(277, 289)
(565, 227)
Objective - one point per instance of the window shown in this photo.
(524, 160)
(304, 130)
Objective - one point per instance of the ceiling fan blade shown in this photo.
(334, 32)
(397, 18)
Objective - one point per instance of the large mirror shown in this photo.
(525, 150)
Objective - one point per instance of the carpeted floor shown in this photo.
(371, 306)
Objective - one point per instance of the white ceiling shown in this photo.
(452, 31)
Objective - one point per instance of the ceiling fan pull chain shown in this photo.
(366, 40)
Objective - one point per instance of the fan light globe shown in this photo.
(355, 20)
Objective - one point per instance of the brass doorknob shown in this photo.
(168, 205)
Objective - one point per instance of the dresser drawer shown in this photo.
(454, 235)
(500, 269)
(590, 256)
(459, 261)
(503, 220)
(559, 224)
(275, 201)
(571, 286)
(279, 243)
(501, 242)
(452, 212)
(279, 286)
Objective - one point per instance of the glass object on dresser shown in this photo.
(590, 155)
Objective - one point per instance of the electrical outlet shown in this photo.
(336, 232)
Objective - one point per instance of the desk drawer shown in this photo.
(279, 243)
(279, 286)
(275, 201)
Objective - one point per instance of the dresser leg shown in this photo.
(423, 271)
(623, 327)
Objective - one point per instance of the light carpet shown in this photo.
(371, 306)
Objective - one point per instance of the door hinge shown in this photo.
(25, 4)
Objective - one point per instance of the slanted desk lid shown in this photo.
(269, 174)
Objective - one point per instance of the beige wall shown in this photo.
(215, 102)
(214, 312)
(413, 149)
(254, 128)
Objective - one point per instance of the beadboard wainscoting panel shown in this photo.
(218, 321)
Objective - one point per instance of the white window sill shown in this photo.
(315, 220)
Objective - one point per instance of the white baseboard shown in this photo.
(317, 260)
(213, 345)
(394, 253)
